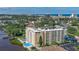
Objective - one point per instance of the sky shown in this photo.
(39, 10)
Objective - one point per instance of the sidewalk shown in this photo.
(52, 48)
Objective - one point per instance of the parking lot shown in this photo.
(69, 46)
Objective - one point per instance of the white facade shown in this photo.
(33, 35)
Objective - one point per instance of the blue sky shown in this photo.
(39, 10)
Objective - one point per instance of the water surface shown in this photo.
(5, 44)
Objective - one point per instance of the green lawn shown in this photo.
(15, 42)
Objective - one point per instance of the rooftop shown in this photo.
(45, 29)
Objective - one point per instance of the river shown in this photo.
(5, 44)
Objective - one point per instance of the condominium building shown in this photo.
(48, 35)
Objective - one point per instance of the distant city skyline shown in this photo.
(39, 10)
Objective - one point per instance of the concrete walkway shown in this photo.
(22, 41)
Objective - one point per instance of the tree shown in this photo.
(40, 41)
(52, 23)
(74, 23)
(77, 34)
(71, 30)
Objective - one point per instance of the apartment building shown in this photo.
(48, 35)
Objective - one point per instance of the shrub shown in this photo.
(66, 41)
(77, 47)
(34, 49)
(26, 49)
(54, 43)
